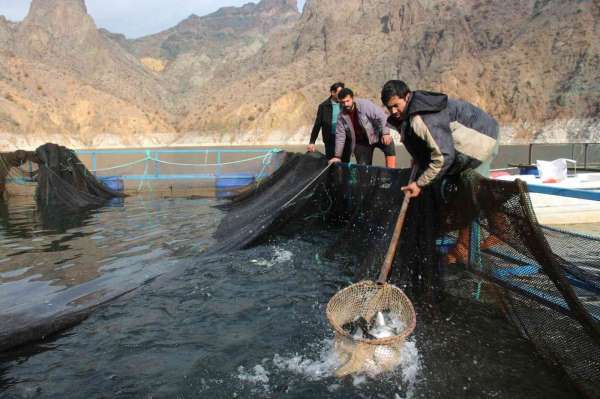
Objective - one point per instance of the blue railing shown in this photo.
(564, 192)
(153, 157)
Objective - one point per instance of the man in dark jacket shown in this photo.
(444, 136)
(326, 120)
(365, 125)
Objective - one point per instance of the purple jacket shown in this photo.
(372, 119)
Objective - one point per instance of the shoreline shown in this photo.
(557, 134)
(271, 144)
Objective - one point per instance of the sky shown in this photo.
(134, 18)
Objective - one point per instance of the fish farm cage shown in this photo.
(208, 172)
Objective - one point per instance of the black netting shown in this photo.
(360, 203)
(64, 182)
(547, 281)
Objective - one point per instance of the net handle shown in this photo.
(391, 252)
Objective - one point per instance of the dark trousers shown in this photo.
(330, 150)
(364, 153)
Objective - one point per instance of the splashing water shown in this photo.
(259, 376)
(279, 256)
(324, 366)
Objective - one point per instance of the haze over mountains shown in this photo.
(255, 74)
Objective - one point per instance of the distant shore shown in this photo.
(558, 134)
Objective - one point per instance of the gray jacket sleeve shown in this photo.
(379, 120)
(376, 116)
(340, 136)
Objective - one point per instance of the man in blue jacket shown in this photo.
(365, 125)
(326, 121)
(444, 136)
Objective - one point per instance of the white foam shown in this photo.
(280, 255)
(259, 376)
(410, 364)
(314, 370)
(327, 362)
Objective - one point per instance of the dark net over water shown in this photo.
(544, 279)
(64, 182)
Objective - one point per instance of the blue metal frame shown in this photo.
(564, 192)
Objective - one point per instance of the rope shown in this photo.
(120, 166)
(306, 187)
(208, 164)
(267, 157)
(266, 162)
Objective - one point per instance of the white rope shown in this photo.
(122, 165)
(209, 164)
(307, 186)
(266, 162)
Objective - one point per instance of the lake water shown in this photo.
(248, 324)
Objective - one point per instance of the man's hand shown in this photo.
(334, 160)
(311, 148)
(386, 139)
(412, 190)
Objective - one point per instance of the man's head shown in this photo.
(335, 89)
(346, 98)
(395, 95)
(20, 157)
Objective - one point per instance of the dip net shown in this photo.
(546, 281)
(364, 300)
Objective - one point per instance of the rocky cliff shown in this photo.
(533, 64)
(254, 74)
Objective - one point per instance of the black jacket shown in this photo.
(445, 136)
(323, 122)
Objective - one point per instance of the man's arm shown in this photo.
(317, 125)
(434, 129)
(340, 136)
(379, 120)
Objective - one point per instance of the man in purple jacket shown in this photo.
(365, 124)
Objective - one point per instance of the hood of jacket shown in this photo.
(426, 101)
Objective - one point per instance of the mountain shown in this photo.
(532, 64)
(255, 74)
(191, 53)
(61, 78)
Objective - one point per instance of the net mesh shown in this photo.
(64, 182)
(366, 299)
(545, 280)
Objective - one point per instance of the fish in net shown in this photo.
(371, 323)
